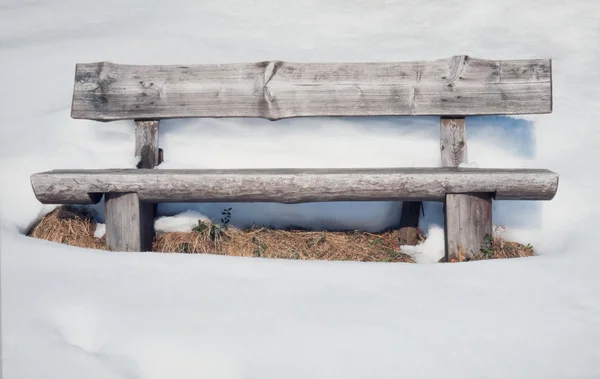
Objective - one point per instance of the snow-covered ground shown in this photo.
(72, 313)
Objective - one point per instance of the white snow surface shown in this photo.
(72, 313)
(429, 251)
(100, 230)
(183, 222)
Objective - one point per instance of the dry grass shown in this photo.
(75, 227)
(501, 249)
(68, 225)
(287, 244)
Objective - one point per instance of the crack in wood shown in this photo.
(500, 72)
(271, 70)
(457, 67)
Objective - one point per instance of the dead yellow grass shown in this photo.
(292, 244)
(501, 249)
(70, 226)
(75, 227)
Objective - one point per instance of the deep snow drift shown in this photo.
(70, 312)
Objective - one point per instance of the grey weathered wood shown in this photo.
(129, 222)
(408, 232)
(453, 141)
(457, 86)
(146, 147)
(146, 143)
(468, 217)
(293, 185)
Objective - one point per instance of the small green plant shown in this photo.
(201, 227)
(185, 247)
(488, 246)
(215, 231)
(226, 218)
(260, 250)
(322, 239)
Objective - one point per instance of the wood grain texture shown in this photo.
(146, 143)
(468, 216)
(453, 141)
(468, 219)
(146, 147)
(456, 86)
(292, 185)
(129, 222)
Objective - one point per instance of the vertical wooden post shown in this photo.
(408, 233)
(468, 217)
(129, 221)
(146, 143)
(146, 147)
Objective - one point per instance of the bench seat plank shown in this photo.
(292, 185)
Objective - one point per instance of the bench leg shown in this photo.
(468, 219)
(129, 222)
(408, 234)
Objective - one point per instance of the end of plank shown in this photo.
(46, 192)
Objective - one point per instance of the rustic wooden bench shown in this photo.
(450, 88)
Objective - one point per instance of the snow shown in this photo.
(100, 230)
(183, 222)
(71, 313)
(154, 316)
(429, 251)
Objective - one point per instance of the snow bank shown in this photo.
(429, 251)
(94, 314)
(100, 230)
(183, 222)
(73, 313)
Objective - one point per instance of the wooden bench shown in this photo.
(450, 88)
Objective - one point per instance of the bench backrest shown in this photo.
(457, 86)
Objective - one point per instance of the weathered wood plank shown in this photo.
(457, 86)
(146, 143)
(468, 217)
(293, 185)
(129, 226)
